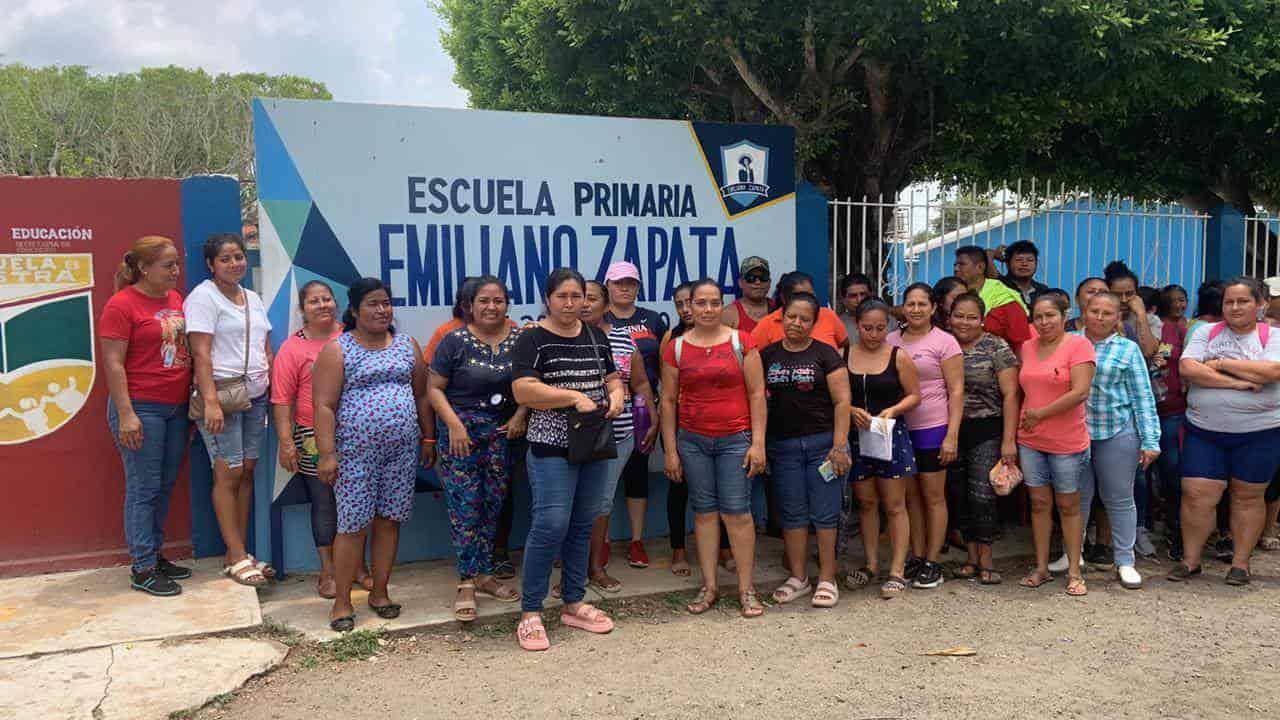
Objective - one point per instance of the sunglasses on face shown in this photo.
(756, 277)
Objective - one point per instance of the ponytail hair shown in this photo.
(355, 296)
(145, 251)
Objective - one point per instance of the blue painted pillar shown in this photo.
(1224, 243)
(210, 204)
(813, 243)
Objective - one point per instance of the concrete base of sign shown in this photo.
(426, 590)
(131, 681)
(97, 608)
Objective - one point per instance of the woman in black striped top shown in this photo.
(626, 357)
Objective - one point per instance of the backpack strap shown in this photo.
(679, 349)
(736, 341)
(1264, 332)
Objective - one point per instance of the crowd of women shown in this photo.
(915, 408)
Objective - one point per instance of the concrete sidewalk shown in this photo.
(84, 645)
(426, 591)
(97, 608)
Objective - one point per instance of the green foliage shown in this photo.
(355, 645)
(881, 92)
(157, 122)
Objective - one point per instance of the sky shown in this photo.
(384, 51)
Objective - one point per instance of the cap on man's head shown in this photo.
(1273, 286)
(753, 262)
(622, 270)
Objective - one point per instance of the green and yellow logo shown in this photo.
(46, 343)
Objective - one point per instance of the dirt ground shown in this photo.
(1202, 650)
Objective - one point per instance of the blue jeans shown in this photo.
(614, 471)
(713, 468)
(805, 497)
(1170, 478)
(241, 437)
(149, 475)
(566, 501)
(1062, 472)
(1111, 473)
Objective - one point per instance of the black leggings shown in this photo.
(677, 505)
(324, 511)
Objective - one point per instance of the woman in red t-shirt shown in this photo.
(720, 397)
(148, 369)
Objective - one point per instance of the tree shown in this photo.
(1210, 147)
(882, 93)
(157, 122)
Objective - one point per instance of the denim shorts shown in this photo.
(1250, 457)
(1063, 472)
(713, 469)
(903, 463)
(804, 496)
(241, 437)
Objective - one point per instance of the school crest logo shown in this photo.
(46, 342)
(745, 170)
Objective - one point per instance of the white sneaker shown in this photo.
(1060, 565)
(1129, 577)
(1143, 545)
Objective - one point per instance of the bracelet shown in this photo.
(428, 441)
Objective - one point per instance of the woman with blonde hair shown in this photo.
(148, 369)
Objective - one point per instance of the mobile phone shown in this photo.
(827, 471)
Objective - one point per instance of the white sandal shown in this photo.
(826, 596)
(245, 572)
(793, 588)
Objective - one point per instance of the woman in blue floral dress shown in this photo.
(371, 409)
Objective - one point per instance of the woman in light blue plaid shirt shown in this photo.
(1123, 426)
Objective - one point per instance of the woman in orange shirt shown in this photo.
(828, 327)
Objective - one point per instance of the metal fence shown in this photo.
(1261, 250)
(913, 237)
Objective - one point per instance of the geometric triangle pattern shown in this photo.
(320, 252)
(284, 183)
(289, 217)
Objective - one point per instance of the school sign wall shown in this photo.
(423, 197)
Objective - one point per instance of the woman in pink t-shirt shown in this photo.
(934, 426)
(295, 426)
(1053, 440)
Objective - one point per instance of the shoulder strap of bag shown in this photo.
(247, 312)
(735, 340)
(595, 351)
(679, 350)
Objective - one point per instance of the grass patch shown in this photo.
(495, 629)
(677, 600)
(181, 715)
(282, 633)
(356, 645)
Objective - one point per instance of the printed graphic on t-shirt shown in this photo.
(173, 339)
(800, 377)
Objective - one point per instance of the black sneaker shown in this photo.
(912, 568)
(1101, 558)
(930, 576)
(1224, 550)
(171, 571)
(154, 582)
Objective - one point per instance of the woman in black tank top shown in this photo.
(883, 383)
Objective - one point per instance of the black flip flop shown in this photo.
(390, 611)
(344, 624)
(1181, 573)
(1237, 576)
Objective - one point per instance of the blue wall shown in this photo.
(1078, 239)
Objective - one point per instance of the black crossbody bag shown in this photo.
(591, 433)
